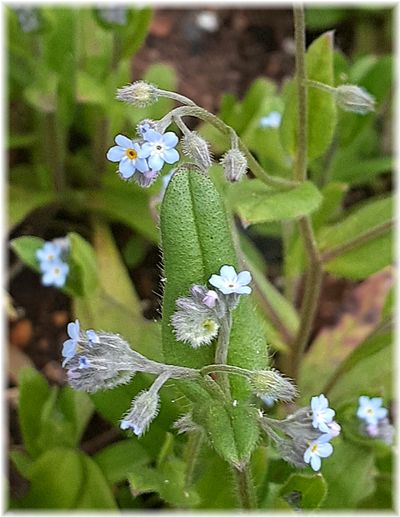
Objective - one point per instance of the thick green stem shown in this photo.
(221, 351)
(192, 452)
(301, 78)
(245, 488)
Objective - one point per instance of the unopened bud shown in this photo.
(350, 97)
(235, 165)
(145, 179)
(271, 384)
(196, 148)
(143, 411)
(145, 125)
(186, 424)
(139, 93)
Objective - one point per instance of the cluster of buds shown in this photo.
(304, 437)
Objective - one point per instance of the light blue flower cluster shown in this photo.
(375, 419)
(322, 419)
(51, 257)
(71, 345)
(273, 120)
(144, 160)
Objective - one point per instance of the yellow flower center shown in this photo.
(131, 154)
(209, 325)
(57, 271)
(314, 448)
(369, 411)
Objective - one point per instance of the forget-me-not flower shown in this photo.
(371, 410)
(55, 273)
(129, 155)
(273, 119)
(229, 282)
(319, 448)
(92, 337)
(159, 148)
(70, 345)
(48, 254)
(322, 415)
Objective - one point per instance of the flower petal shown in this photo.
(245, 289)
(170, 139)
(244, 278)
(170, 155)
(155, 162)
(127, 167)
(228, 273)
(152, 136)
(324, 438)
(146, 150)
(123, 141)
(115, 154)
(69, 348)
(141, 165)
(216, 281)
(315, 462)
(325, 450)
(307, 455)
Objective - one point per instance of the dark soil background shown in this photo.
(248, 43)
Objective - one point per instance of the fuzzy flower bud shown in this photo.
(270, 383)
(197, 149)
(139, 93)
(144, 408)
(350, 97)
(195, 322)
(185, 424)
(145, 125)
(146, 179)
(234, 164)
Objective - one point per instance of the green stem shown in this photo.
(361, 239)
(254, 166)
(221, 351)
(192, 455)
(245, 486)
(321, 86)
(300, 172)
(225, 368)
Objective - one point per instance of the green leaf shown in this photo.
(136, 30)
(359, 172)
(26, 248)
(310, 490)
(168, 481)
(257, 203)
(333, 194)
(118, 459)
(321, 105)
(367, 258)
(82, 278)
(89, 91)
(346, 490)
(65, 479)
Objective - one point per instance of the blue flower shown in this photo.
(159, 148)
(92, 337)
(83, 362)
(48, 254)
(273, 119)
(321, 413)
(319, 448)
(370, 409)
(228, 281)
(70, 345)
(129, 155)
(55, 273)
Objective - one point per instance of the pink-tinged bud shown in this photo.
(372, 430)
(334, 429)
(210, 299)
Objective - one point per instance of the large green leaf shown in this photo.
(321, 105)
(367, 258)
(309, 490)
(26, 248)
(82, 279)
(65, 479)
(255, 202)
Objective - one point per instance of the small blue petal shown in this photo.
(171, 155)
(155, 162)
(115, 154)
(170, 139)
(123, 141)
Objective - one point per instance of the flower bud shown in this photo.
(139, 93)
(145, 125)
(197, 149)
(145, 179)
(185, 424)
(235, 165)
(350, 97)
(143, 410)
(210, 299)
(271, 384)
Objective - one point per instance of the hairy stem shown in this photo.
(245, 487)
(192, 452)
(361, 239)
(221, 352)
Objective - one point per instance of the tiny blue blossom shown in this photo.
(55, 273)
(159, 148)
(319, 448)
(92, 337)
(322, 414)
(70, 345)
(83, 362)
(229, 282)
(370, 410)
(47, 254)
(273, 120)
(129, 155)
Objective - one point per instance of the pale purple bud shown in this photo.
(210, 299)
(334, 429)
